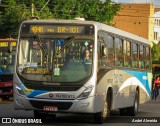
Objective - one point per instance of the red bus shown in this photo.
(7, 56)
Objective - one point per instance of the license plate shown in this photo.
(50, 108)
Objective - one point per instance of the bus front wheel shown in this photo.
(100, 117)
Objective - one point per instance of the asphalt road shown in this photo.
(149, 111)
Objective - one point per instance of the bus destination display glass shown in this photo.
(57, 29)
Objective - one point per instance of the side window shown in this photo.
(147, 58)
(127, 53)
(135, 55)
(3, 57)
(102, 44)
(119, 51)
(110, 50)
(102, 55)
(141, 56)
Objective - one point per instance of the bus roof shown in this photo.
(100, 26)
(124, 34)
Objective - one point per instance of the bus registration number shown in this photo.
(50, 108)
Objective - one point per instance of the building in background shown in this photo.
(137, 19)
(157, 27)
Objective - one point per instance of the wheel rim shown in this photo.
(136, 104)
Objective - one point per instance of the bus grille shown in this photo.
(59, 105)
(52, 88)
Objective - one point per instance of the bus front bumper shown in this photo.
(88, 105)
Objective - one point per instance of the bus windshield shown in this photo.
(55, 58)
(7, 58)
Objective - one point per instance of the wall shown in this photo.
(137, 19)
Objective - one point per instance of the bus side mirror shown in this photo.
(104, 51)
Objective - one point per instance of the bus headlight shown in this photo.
(86, 92)
(19, 91)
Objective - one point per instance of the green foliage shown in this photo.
(94, 10)
(13, 12)
(11, 18)
(155, 52)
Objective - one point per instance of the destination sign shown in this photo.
(29, 70)
(51, 28)
(56, 29)
(5, 44)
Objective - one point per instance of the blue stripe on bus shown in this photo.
(139, 76)
(35, 93)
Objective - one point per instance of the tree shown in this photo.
(12, 16)
(155, 52)
(16, 11)
(95, 10)
(41, 10)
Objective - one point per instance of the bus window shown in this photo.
(4, 61)
(102, 45)
(127, 53)
(141, 57)
(119, 51)
(135, 55)
(110, 51)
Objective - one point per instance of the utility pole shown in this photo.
(32, 10)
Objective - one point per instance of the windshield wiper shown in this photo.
(70, 39)
(42, 47)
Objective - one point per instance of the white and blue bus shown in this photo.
(75, 66)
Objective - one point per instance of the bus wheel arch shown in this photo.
(132, 111)
(101, 116)
(108, 103)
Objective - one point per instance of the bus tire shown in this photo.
(100, 117)
(132, 111)
(122, 111)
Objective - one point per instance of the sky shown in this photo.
(155, 2)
